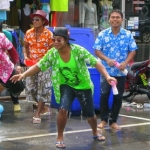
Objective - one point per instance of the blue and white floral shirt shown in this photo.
(115, 47)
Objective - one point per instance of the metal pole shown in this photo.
(123, 11)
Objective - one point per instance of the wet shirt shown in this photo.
(115, 47)
(81, 56)
(38, 47)
(69, 75)
(6, 66)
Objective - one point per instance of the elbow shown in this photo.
(133, 53)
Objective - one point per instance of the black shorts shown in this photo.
(68, 94)
(14, 88)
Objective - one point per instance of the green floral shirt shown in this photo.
(51, 59)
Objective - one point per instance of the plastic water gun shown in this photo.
(114, 88)
(125, 71)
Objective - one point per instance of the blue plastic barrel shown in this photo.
(45, 1)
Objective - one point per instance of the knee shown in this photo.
(63, 112)
(92, 119)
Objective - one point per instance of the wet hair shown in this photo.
(117, 11)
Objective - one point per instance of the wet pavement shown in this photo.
(18, 133)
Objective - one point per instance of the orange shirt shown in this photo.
(38, 47)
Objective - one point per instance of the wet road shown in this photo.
(18, 133)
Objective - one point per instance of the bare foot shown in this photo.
(102, 125)
(115, 126)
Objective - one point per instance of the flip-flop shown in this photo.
(36, 120)
(100, 138)
(60, 144)
(139, 105)
(45, 113)
(133, 104)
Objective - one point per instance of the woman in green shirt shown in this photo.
(70, 78)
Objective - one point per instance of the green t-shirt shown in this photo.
(70, 75)
(81, 57)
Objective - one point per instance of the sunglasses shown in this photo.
(58, 40)
(35, 19)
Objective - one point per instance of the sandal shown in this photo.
(100, 138)
(45, 113)
(139, 105)
(60, 144)
(36, 120)
(133, 104)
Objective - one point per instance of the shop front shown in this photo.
(85, 18)
(81, 14)
(137, 20)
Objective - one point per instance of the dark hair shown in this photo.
(117, 11)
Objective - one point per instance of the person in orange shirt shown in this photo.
(37, 41)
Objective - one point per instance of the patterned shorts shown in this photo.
(38, 87)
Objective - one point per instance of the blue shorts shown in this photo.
(68, 94)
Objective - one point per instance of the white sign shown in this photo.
(138, 8)
(138, 2)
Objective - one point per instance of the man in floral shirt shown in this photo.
(114, 44)
(7, 69)
(70, 78)
(37, 41)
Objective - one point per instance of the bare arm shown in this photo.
(31, 71)
(103, 71)
(110, 62)
(130, 57)
(127, 61)
(26, 50)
